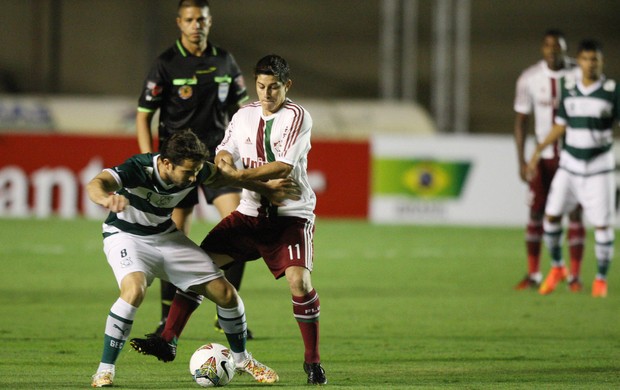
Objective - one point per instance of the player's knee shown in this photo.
(299, 280)
(604, 235)
(225, 295)
(133, 294)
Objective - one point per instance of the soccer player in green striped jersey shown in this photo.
(141, 243)
(589, 110)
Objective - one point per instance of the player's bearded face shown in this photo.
(194, 23)
(183, 175)
(271, 92)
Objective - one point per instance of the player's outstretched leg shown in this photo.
(234, 326)
(117, 328)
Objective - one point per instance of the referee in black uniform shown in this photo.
(199, 86)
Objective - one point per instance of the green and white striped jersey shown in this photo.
(150, 199)
(589, 114)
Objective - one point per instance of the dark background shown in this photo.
(105, 47)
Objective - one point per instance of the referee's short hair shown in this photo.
(193, 3)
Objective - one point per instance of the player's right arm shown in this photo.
(276, 190)
(143, 130)
(101, 190)
(520, 133)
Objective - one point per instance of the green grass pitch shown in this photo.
(402, 307)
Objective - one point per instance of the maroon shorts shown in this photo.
(281, 242)
(540, 184)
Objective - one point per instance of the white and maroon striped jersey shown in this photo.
(254, 140)
(538, 92)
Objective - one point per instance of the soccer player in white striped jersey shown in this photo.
(141, 243)
(589, 110)
(537, 93)
(271, 140)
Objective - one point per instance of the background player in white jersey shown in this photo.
(537, 94)
(141, 242)
(589, 110)
(271, 138)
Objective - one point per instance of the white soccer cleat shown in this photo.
(103, 378)
(260, 372)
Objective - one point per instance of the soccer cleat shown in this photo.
(556, 275)
(260, 372)
(218, 329)
(156, 346)
(316, 374)
(574, 284)
(103, 378)
(529, 281)
(599, 288)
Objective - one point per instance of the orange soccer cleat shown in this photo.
(529, 282)
(599, 288)
(556, 275)
(574, 284)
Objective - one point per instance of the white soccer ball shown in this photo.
(212, 365)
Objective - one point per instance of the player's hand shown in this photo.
(280, 190)
(115, 203)
(532, 166)
(523, 172)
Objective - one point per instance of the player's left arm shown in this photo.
(557, 131)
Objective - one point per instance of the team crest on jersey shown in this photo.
(163, 201)
(185, 92)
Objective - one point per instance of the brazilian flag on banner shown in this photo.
(428, 179)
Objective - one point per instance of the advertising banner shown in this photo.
(44, 175)
(446, 180)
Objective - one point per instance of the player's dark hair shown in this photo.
(589, 45)
(557, 34)
(193, 3)
(184, 145)
(273, 65)
(554, 32)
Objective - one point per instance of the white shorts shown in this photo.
(595, 193)
(168, 256)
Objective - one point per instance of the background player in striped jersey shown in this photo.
(141, 242)
(589, 110)
(271, 138)
(537, 94)
(197, 85)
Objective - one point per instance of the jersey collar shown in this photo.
(211, 50)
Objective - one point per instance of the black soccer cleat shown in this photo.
(316, 374)
(156, 346)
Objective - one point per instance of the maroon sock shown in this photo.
(576, 239)
(183, 305)
(306, 310)
(533, 241)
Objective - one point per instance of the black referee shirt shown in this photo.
(193, 92)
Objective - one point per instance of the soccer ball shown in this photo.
(212, 365)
